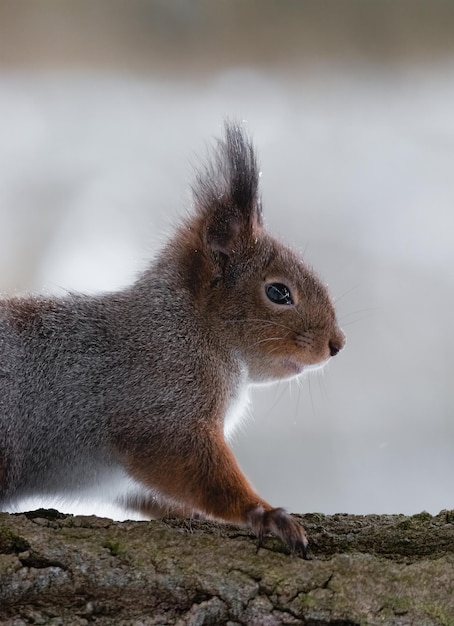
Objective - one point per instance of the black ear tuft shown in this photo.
(227, 192)
(242, 168)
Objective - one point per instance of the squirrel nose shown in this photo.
(336, 345)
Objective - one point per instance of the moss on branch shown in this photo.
(374, 569)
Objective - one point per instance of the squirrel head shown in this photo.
(253, 293)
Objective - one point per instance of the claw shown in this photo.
(279, 523)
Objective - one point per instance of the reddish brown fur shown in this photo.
(207, 479)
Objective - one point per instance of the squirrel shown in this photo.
(139, 389)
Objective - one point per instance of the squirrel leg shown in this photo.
(205, 477)
(156, 508)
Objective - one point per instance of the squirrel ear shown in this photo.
(226, 194)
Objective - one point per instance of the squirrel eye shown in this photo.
(279, 293)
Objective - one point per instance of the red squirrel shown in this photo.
(139, 388)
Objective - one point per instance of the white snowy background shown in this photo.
(357, 154)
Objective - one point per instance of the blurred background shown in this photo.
(104, 107)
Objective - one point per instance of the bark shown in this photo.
(387, 569)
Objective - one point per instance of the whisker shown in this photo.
(298, 400)
(357, 316)
(311, 395)
(272, 351)
(346, 293)
(321, 385)
(277, 397)
(259, 341)
(254, 320)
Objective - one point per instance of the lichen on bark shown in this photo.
(374, 569)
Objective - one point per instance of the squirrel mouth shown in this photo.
(293, 367)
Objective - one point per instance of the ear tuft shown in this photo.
(226, 192)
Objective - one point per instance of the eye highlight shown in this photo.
(279, 293)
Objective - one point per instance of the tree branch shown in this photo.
(375, 569)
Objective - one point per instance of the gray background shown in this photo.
(103, 109)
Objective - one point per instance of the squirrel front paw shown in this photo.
(279, 523)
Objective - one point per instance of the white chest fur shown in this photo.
(237, 411)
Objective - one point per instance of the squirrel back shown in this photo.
(140, 386)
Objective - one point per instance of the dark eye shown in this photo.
(279, 293)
